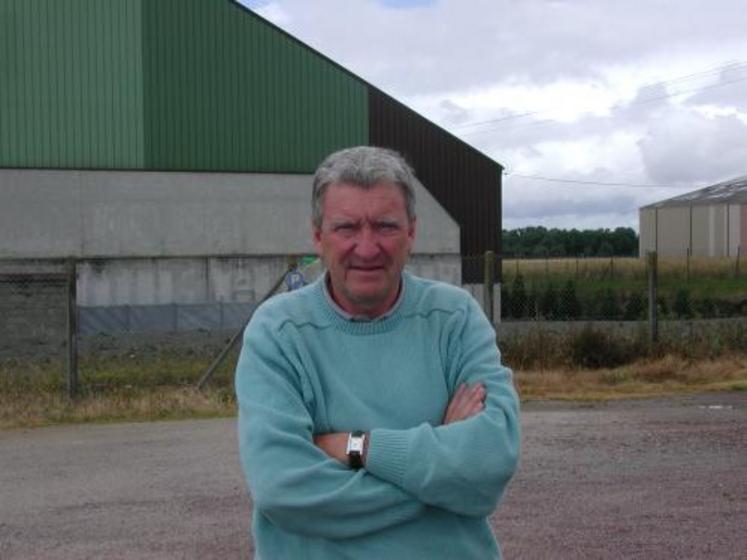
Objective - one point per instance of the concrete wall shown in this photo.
(647, 230)
(57, 213)
(673, 233)
(734, 231)
(158, 281)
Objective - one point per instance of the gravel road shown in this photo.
(662, 478)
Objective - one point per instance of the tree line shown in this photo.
(538, 241)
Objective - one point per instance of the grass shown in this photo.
(130, 387)
(133, 389)
(708, 277)
(644, 378)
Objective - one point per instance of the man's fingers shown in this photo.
(466, 402)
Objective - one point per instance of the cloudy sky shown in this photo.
(594, 107)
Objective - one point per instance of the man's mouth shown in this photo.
(366, 268)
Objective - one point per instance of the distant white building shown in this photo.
(710, 222)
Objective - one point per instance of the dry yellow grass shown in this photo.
(645, 378)
(624, 266)
(667, 375)
(134, 405)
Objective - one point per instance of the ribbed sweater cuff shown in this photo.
(388, 452)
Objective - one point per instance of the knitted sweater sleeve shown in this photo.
(465, 466)
(293, 483)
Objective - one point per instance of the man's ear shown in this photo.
(411, 230)
(316, 238)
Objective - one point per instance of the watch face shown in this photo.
(356, 445)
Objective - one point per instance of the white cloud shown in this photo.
(687, 147)
(616, 91)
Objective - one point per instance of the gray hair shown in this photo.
(364, 167)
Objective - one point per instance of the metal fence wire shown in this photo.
(42, 319)
(617, 288)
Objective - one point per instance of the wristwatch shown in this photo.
(354, 451)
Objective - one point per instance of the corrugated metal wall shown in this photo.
(225, 90)
(705, 230)
(70, 83)
(167, 85)
(464, 181)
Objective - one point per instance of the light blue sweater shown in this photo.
(427, 489)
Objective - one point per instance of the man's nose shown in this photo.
(367, 246)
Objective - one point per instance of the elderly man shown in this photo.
(375, 418)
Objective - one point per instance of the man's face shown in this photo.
(364, 240)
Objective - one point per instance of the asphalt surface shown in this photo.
(664, 478)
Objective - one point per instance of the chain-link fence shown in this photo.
(37, 329)
(93, 325)
(618, 289)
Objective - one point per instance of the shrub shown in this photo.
(635, 308)
(548, 304)
(570, 305)
(681, 305)
(609, 307)
(505, 302)
(518, 297)
(590, 348)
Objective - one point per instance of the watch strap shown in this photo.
(356, 441)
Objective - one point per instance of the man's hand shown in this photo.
(466, 402)
(335, 445)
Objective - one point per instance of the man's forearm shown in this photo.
(467, 401)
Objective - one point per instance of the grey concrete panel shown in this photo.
(673, 231)
(446, 268)
(701, 231)
(734, 229)
(50, 213)
(647, 230)
(39, 213)
(717, 218)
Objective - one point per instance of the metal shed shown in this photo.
(709, 222)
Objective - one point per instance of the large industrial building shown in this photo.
(168, 146)
(710, 222)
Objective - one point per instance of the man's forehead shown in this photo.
(351, 198)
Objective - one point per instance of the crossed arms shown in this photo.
(299, 480)
(466, 402)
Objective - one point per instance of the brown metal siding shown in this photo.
(464, 181)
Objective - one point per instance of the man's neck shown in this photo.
(361, 315)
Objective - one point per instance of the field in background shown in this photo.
(617, 288)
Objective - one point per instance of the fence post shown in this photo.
(488, 283)
(652, 285)
(237, 335)
(688, 264)
(739, 256)
(72, 330)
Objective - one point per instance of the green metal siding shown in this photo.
(225, 90)
(70, 83)
(167, 85)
